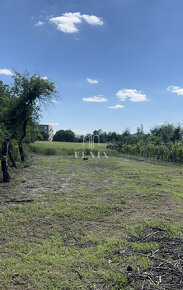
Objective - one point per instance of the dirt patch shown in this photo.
(167, 261)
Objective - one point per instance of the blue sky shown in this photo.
(115, 63)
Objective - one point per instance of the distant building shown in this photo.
(48, 129)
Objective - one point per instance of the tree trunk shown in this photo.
(4, 163)
(20, 144)
(21, 150)
(12, 158)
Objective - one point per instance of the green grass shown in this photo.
(145, 247)
(68, 148)
(87, 221)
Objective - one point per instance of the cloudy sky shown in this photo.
(115, 63)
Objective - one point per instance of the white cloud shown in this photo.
(91, 81)
(116, 107)
(176, 90)
(67, 21)
(39, 23)
(96, 99)
(44, 78)
(92, 19)
(5, 71)
(132, 94)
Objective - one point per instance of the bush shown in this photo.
(172, 152)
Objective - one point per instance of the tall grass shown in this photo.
(68, 148)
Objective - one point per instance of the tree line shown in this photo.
(164, 142)
(20, 105)
(105, 137)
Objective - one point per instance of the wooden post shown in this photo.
(4, 162)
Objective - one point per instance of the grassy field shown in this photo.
(98, 224)
(67, 148)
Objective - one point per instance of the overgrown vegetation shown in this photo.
(19, 112)
(69, 148)
(164, 142)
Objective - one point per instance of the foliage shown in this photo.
(20, 109)
(164, 142)
(28, 92)
(4, 103)
(43, 136)
(111, 137)
(64, 136)
(172, 152)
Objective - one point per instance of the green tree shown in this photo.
(5, 98)
(43, 136)
(165, 132)
(64, 136)
(29, 93)
(4, 104)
